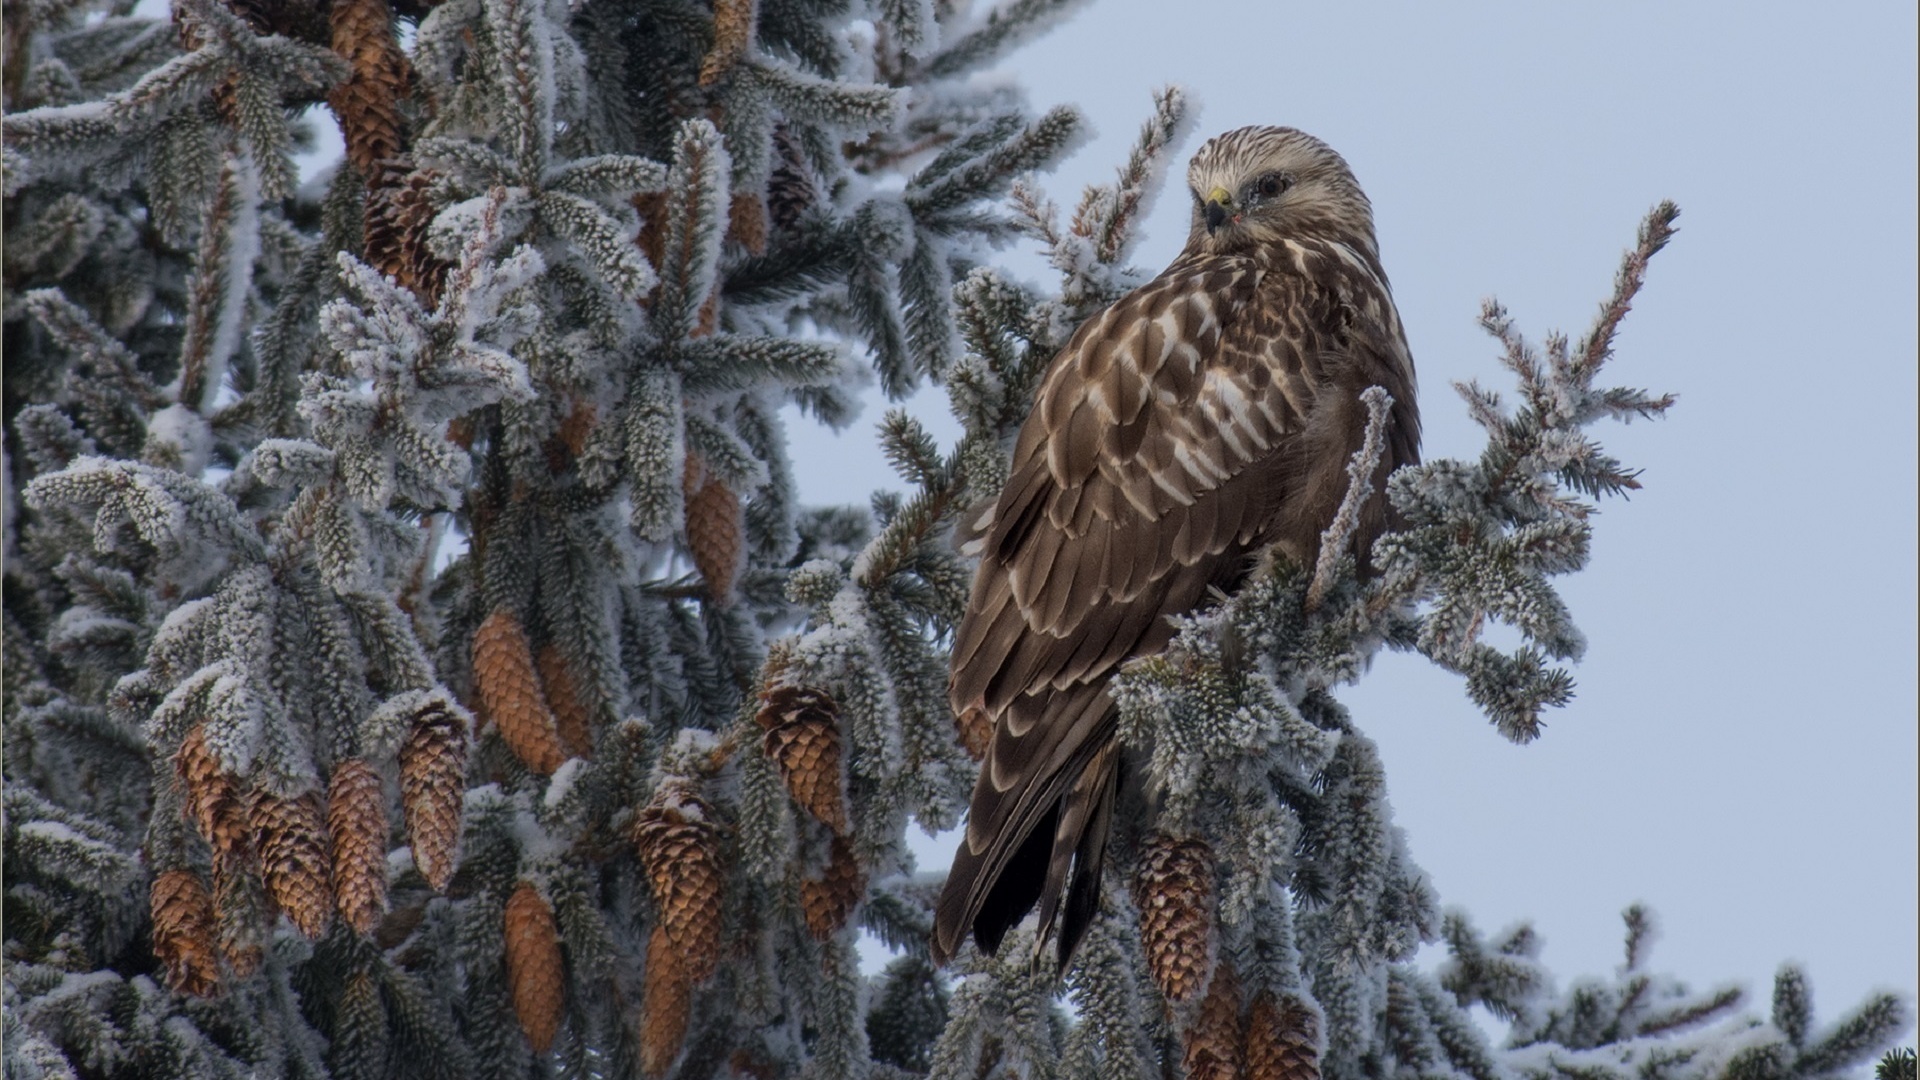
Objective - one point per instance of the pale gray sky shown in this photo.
(1742, 752)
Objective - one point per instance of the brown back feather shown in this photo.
(1205, 415)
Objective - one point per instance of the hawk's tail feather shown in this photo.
(1013, 893)
(1091, 803)
(990, 892)
(1028, 834)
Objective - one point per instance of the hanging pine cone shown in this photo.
(716, 530)
(1213, 1039)
(293, 858)
(829, 902)
(357, 824)
(534, 966)
(183, 932)
(409, 211)
(732, 33)
(570, 716)
(206, 786)
(747, 222)
(215, 801)
(367, 101)
(1174, 892)
(790, 188)
(802, 726)
(666, 1006)
(433, 766)
(510, 690)
(398, 215)
(381, 223)
(679, 847)
(1283, 1040)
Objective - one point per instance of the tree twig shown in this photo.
(1360, 469)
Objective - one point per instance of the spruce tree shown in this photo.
(402, 553)
(417, 662)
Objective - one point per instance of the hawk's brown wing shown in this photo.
(1161, 451)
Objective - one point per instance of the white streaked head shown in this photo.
(1260, 185)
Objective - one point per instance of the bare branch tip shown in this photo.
(1658, 228)
(1360, 469)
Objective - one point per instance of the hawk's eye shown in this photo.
(1273, 184)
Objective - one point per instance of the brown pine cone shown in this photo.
(716, 530)
(206, 786)
(366, 103)
(666, 1006)
(510, 690)
(732, 33)
(570, 715)
(802, 727)
(183, 932)
(747, 222)
(357, 822)
(1213, 1039)
(828, 902)
(397, 217)
(1283, 1040)
(409, 212)
(215, 801)
(679, 847)
(433, 766)
(534, 966)
(790, 188)
(383, 223)
(293, 858)
(1174, 892)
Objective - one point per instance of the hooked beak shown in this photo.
(1219, 200)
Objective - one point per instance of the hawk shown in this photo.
(1205, 416)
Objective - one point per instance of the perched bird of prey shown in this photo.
(1205, 416)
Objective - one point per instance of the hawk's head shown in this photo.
(1258, 185)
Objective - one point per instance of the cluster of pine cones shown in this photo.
(678, 842)
(1226, 1037)
(308, 855)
